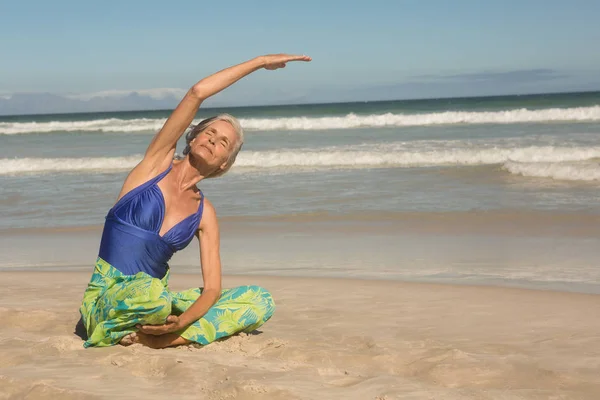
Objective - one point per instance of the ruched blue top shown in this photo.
(131, 242)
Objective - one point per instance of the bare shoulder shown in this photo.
(209, 217)
(142, 173)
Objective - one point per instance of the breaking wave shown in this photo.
(349, 121)
(563, 163)
(559, 171)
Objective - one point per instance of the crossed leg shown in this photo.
(243, 308)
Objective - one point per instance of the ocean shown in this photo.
(521, 156)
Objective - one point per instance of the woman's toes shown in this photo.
(125, 341)
(129, 339)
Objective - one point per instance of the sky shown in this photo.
(361, 50)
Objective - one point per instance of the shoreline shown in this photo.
(497, 222)
(179, 277)
(592, 289)
(506, 249)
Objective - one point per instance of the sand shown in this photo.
(328, 339)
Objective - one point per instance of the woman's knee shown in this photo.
(156, 303)
(262, 301)
(140, 301)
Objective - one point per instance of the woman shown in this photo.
(158, 212)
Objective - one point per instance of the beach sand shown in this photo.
(329, 339)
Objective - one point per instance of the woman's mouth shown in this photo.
(207, 148)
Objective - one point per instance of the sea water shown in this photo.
(523, 154)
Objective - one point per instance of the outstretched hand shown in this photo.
(275, 61)
(171, 325)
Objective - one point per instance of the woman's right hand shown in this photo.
(172, 324)
(275, 61)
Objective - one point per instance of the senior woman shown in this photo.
(158, 212)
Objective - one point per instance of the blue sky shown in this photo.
(361, 50)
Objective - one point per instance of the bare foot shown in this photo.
(128, 340)
(153, 341)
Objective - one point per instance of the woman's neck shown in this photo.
(185, 174)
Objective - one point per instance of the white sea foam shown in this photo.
(97, 125)
(323, 123)
(571, 163)
(13, 166)
(383, 156)
(441, 118)
(559, 171)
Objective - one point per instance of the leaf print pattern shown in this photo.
(114, 303)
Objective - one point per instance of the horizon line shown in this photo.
(414, 99)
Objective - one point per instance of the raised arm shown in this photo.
(160, 153)
(163, 144)
(162, 148)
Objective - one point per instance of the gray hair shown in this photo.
(202, 125)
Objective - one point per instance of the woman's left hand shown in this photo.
(275, 61)
(172, 324)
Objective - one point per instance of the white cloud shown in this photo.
(157, 94)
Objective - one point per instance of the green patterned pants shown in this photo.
(114, 303)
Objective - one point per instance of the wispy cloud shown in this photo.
(144, 99)
(157, 94)
(48, 103)
(500, 77)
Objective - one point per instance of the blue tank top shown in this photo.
(131, 242)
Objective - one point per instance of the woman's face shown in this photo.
(215, 144)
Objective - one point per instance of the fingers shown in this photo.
(283, 58)
(169, 326)
(153, 329)
(298, 58)
(173, 318)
